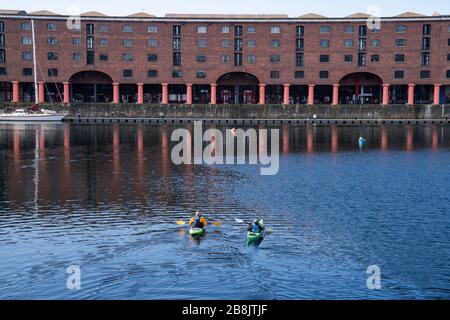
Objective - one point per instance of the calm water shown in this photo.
(106, 198)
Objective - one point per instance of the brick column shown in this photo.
(411, 94)
(165, 93)
(286, 97)
(15, 97)
(385, 100)
(116, 98)
(311, 94)
(66, 93)
(262, 93)
(437, 91)
(140, 87)
(213, 93)
(41, 92)
(189, 93)
(335, 94)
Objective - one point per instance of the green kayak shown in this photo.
(195, 232)
(252, 237)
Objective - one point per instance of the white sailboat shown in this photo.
(22, 114)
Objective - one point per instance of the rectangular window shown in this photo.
(400, 42)
(238, 31)
(25, 26)
(399, 74)
(323, 74)
(324, 58)
(299, 60)
(103, 42)
(177, 59)
(26, 72)
(361, 59)
(349, 29)
(251, 58)
(2, 26)
(201, 43)
(103, 28)
(275, 43)
(225, 29)
(448, 74)
(52, 41)
(376, 43)
(201, 74)
(300, 31)
(52, 72)
(177, 74)
(127, 43)
(225, 58)
(152, 57)
(90, 42)
(362, 31)
(362, 44)
(27, 41)
(127, 73)
(90, 57)
(27, 55)
(348, 58)
(425, 59)
(324, 43)
(103, 57)
(275, 30)
(274, 74)
(152, 73)
(2, 71)
(299, 74)
(238, 44)
(426, 29)
(300, 44)
(127, 57)
(225, 43)
(238, 59)
(426, 43)
(251, 29)
(375, 58)
(51, 26)
(176, 31)
(349, 43)
(399, 58)
(425, 74)
(152, 29)
(152, 43)
(177, 44)
(76, 56)
(127, 28)
(76, 41)
(448, 57)
(325, 29)
(2, 56)
(202, 29)
(201, 58)
(275, 58)
(89, 28)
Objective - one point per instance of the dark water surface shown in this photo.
(107, 197)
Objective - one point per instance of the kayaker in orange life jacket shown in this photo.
(198, 221)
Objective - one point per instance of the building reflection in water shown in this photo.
(285, 139)
(309, 139)
(384, 139)
(334, 139)
(409, 138)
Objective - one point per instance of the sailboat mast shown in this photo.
(36, 93)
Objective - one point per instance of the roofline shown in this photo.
(224, 20)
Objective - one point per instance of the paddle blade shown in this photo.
(216, 224)
(239, 220)
(181, 223)
(269, 231)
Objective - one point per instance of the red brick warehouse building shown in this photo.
(217, 59)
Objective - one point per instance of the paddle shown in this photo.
(215, 223)
(268, 230)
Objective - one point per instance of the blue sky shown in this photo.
(291, 7)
